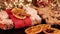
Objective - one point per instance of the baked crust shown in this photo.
(33, 29)
(52, 31)
(46, 28)
(19, 13)
(36, 29)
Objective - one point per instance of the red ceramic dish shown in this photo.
(19, 23)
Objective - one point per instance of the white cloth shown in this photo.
(34, 17)
(3, 15)
(4, 19)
